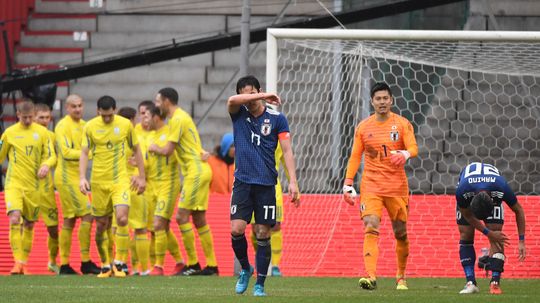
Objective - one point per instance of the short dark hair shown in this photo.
(482, 205)
(146, 103)
(127, 112)
(156, 111)
(247, 81)
(169, 93)
(106, 102)
(41, 107)
(380, 86)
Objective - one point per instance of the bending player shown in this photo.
(479, 195)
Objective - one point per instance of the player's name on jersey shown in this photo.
(481, 180)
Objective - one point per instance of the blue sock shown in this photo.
(239, 245)
(496, 276)
(467, 255)
(263, 255)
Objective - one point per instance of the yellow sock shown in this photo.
(173, 247)
(27, 241)
(52, 245)
(84, 240)
(65, 244)
(133, 252)
(102, 243)
(276, 243)
(254, 241)
(402, 253)
(142, 246)
(371, 251)
(15, 240)
(188, 237)
(110, 246)
(161, 247)
(207, 243)
(122, 243)
(152, 249)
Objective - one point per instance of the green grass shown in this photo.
(29, 289)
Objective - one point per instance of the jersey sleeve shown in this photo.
(64, 143)
(175, 130)
(48, 156)
(409, 140)
(509, 197)
(86, 137)
(239, 113)
(356, 154)
(282, 125)
(4, 147)
(133, 139)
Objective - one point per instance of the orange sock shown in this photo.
(371, 251)
(402, 253)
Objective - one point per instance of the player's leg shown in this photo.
(397, 208)
(101, 211)
(30, 215)
(49, 213)
(84, 235)
(467, 254)
(276, 238)
(137, 221)
(265, 218)
(66, 234)
(160, 234)
(173, 247)
(371, 210)
(207, 243)
(240, 214)
(14, 207)
(497, 258)
(187, 203)
(121, 237)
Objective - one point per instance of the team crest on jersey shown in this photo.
(266, 128)
(162, 138)
(394, 134)
(116, 130)
(36, 136)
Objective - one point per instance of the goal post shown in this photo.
(471, 96)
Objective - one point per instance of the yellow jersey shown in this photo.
(161, 168)
(68, 146)
(183, 132)
(109, 144)
(47, 182)
(27, 148)
(141, 135)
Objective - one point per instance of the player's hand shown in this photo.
(43, 171)
(131, 161)
(522, 251)
(498, 237)
(153, 148)
(272, 99)
(349, 194)
(205, 155)
(84, 186)
(294, 193)
(399, 157)
(139, 184)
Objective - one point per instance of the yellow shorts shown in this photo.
(138, 211)
(73, 202)
(25, 201)
(164, 196)
(150, 206)
(195, 190)
(397, 207)
(107, 196)
(48, 210)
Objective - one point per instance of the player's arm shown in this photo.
(49, 157)
(166, 150)
(4, 147)
(139, 182)
(352, 167)
(84, 186)
(520, 221)
(495, 236)
(64, 143)
(290, 166)
(234, 102)
(400, 157)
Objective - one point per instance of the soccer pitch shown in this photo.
(221, 289)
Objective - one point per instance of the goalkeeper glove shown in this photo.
(399, 157)
(349, 194)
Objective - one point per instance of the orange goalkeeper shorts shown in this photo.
(397, 207)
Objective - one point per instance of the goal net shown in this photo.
(471, 96)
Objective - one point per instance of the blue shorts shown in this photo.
(248, 199)
(497, 216)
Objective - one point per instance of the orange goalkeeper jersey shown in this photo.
(375, 140)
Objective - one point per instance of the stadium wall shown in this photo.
(324, 238)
